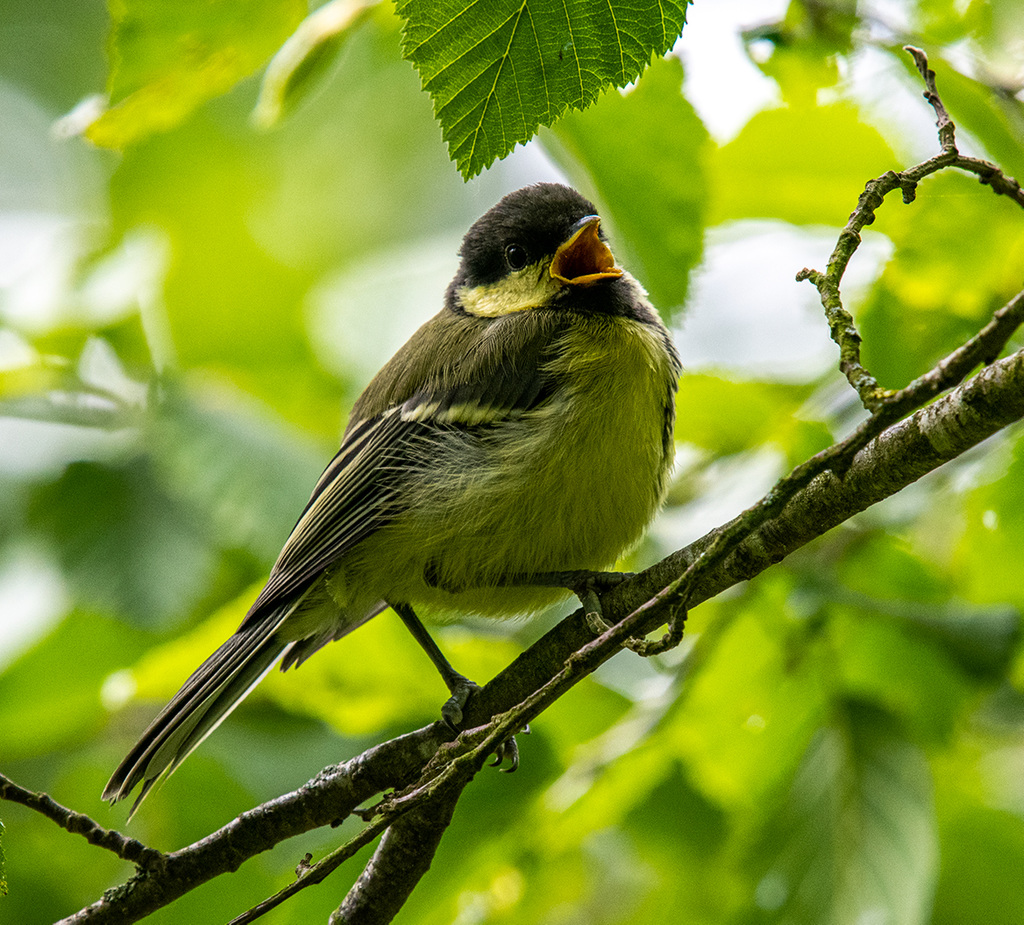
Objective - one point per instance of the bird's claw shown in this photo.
(508, 749)
(451, 711)
(587, 592)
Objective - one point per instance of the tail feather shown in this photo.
(213, 690)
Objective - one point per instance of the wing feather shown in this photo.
(357, 494)
(361, 490)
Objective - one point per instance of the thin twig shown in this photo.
(841, 324)
(129, 849)
(315, 873)
(441, 780)
(401, 859)
(947, 130)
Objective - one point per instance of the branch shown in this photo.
(405, 851)
(129, 849)
(325, 800)
(947, 130)
(402, 858)
(841, 324)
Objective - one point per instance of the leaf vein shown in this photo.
(492, 94)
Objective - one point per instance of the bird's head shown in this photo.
(538, 247)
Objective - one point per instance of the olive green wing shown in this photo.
(477, 379)
(463, 369)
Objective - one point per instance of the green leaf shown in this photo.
(167, 58)
(941, 22)
(230, 458)
(987, 559)
(124, 542)
(925, 304)
(855, 841)
(305, 55)
(658, 206)
(727, 416)
(889, 579)
(802, 164)
(755, 703)
(982, 857)
(911, 677)
(498, 70)
(49, 697)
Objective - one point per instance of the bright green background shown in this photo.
(839, 742)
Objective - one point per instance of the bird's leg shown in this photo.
(459, 686)
(586, 584)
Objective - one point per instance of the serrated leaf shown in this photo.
(167, 58)
(856, 841)
(498, 70)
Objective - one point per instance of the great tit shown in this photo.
(513, 448)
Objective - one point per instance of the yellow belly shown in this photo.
(570, 485)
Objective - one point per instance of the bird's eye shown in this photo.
(516, 256)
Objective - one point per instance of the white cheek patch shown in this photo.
(517, 292)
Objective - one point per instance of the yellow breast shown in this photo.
(569, 485)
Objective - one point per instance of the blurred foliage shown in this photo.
(184, 325)
(166, 61)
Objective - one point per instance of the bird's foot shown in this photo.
(673, 636)
(509, 749)
(452, 713)
(461, 689)
(587, 585)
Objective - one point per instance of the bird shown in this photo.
(502, 460)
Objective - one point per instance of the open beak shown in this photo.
(584, 258)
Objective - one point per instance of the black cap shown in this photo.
(535, 218)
